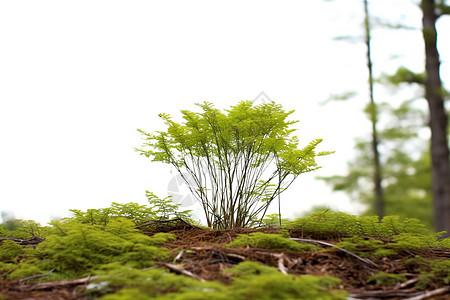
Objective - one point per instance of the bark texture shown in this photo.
(438, 121)
(378, 190)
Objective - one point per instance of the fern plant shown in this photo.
(74, 249)
(382, 278)
(337, 224)
(158, 209)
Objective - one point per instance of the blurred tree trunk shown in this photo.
(378, 190)
(438, 121)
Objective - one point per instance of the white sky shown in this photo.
(77, 78)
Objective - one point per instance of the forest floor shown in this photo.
(202, 254)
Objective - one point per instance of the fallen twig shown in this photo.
(55, 284)
(180, 270)
(31, 241)
(365, 260)
(179, 255)
(432, 293)
(36, 276)
(281, 266)
(240, 257)
(407, 283)
(384, 294)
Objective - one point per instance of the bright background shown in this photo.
(77, 78)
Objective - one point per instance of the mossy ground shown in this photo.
(235, 264)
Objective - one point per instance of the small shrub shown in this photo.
(238, 161)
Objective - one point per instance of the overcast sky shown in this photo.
(77, 78)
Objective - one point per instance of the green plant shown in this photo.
(250, 281)
(273, 220)
(75, 249)
(338, 224)
(152, 282)
(411, 241)
(158, 209)
(22, 229)
(383, 278)
(247, 268)
(25, 269)
(432, 271)
(165, 209)
(363, 247)
(3, 231)
(235, 163)
(9, 250)
(270, 241)
(254, 281)
(6, 269)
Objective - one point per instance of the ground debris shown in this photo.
(203, 254)
(31, 241)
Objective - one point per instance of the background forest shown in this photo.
(406, 178)
(80, 78)
(390, 169)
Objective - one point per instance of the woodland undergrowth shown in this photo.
(126, 263)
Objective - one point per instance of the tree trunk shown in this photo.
(378, 190)
(438, 122)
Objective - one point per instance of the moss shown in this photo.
(338, 224)
(80, 248)
(151, 282)
(6, 269)
(382, 278)
(436, 272)
(25, 269)
(3, 232)
(441, 270)
(247, 268)
(270, 241)
(445, 243)
(364, 247)
(250, 281)
(162, 237)
(423, 283)
(411, 241)
(9, 250)
(380, 253)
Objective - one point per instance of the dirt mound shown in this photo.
(203, 254)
